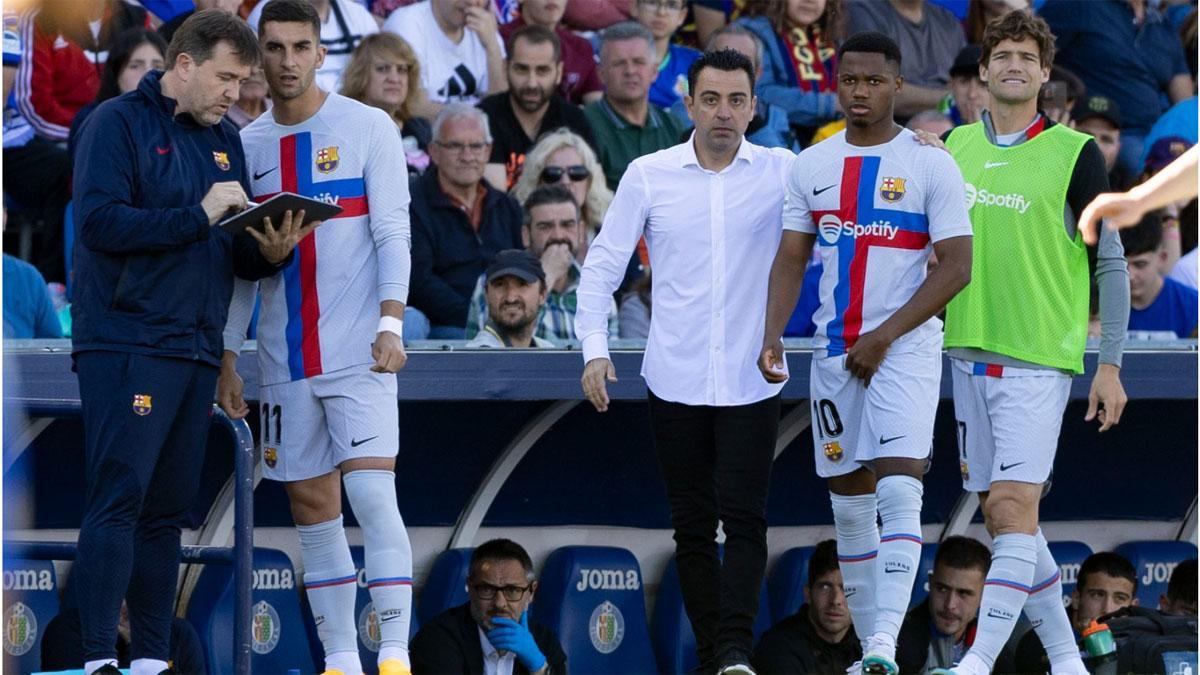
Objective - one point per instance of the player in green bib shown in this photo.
(1016, 333)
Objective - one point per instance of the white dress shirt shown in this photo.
(712, 237)
(493, 662)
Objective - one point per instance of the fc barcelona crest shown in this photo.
(142, 404)
(892, 189)
(327, 159)
(222, 160)
(833, 451)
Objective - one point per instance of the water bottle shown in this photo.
(1101, 649)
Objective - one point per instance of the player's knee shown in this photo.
(1008, 513)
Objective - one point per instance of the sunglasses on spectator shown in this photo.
(577, 173)
(511, 593)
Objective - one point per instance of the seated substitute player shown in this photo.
(329, 337)
(937, 632)
(1016, 335)
(876, 203)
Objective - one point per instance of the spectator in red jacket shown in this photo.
(65, 46)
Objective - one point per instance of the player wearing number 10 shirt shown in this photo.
(877, 204)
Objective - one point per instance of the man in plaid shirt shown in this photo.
(553, 233)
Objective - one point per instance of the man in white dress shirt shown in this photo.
(711, 211)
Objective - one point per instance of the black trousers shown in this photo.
(716, 462)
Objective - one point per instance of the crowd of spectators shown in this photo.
(495, 99)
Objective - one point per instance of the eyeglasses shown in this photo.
(669, 5)
(457, 148)
(576, 172)
(488, 591)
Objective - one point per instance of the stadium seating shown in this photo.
(674, 640)
(279, 642)
(787, 581)
(1069, 555)
(924, 570)
(30, 601)
(446, 585)
(591, 597)
(1154, 562)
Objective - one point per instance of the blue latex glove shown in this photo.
(516, 638)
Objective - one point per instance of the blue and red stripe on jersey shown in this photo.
(857, 199)
(988, 369)
(300, 276)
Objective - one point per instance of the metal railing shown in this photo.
(240, 556)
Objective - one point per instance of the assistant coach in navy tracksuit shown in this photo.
(156, 169)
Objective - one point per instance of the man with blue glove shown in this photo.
(491, 632)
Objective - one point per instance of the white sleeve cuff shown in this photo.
(595, 346)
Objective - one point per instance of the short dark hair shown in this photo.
(963, 553)
(535, 35)
(1017, 25)
(871, 42)
(728, 60)
(500, 549)
(1145, 237)
(1111, 564)
(290, 11)
(548, 194)
(122, 50)
(823, 561)
(1182, 586)
(199, 35)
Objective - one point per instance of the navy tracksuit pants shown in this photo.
(146, 423)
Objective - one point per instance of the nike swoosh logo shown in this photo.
(163, 151)
(817, 192)
(260, 175)
(393, 617)
(1006, 467)
(885, 441)
(355, 443)
(992, 165)
(887, 571)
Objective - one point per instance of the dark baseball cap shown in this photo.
(966, 64)
(1164, 151)
(1098, 106)
(517, 263)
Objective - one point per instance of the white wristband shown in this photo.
(391, 324)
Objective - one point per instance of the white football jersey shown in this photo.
(876, 211)
(321, 312)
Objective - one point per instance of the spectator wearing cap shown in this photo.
(459, 222)
(531, 106)
(968, 93)
(515, 288)
(930, 38)
(1164, 151)
(553, 233)
(580, 79)
(1124, 50)
(1100, 117)
(1157, 303)
(1179, 121)
(1180, 598)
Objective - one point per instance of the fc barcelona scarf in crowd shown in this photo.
(813, 59)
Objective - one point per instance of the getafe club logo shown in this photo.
(892, 189)
(833, 451)
(222, 160)
(20, 629)
(606, 627)
(142, 404)
(270, 456)
(327, 159)
(368, 627)
(265, 632)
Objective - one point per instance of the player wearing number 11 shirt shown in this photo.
(329, 338)
(877, 203)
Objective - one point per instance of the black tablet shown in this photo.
(275, 207)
